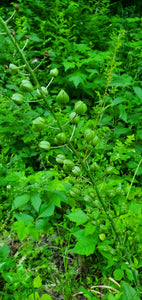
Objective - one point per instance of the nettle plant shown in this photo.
(78, 171)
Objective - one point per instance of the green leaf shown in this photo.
(135, 207)
(37, 282)
(2, 264)
(78, 216)
(42, 224)
(21, 229)
(89, 229)
(129, 274)
(129, 293)
(118, 274)
(47, 210)
(138, 92)
(36, 201)
(57, 197)
(121, 80)
(46, 297)
(4, 251)
(26, 218)
(20, 201)
(77, 78)
(85, 246)
(123, 114)
(68, 65)
(34, 296)
(118, 100)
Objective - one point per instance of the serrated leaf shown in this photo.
(89, 229)
(47, 210)
(121, 80)
(78, 216)
(42, 224)
(57, 197)
(77, 78)
(21, 229)
(26, 218)
(135, 207)
(129, 293)
(118, 100)
(37, 282)
(68, 65)
(20, 201)
(138, 92)
(85, 246)
(123, 114)
(36, 201)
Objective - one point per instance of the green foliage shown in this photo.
(70, 139)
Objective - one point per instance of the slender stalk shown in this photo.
(34, 78)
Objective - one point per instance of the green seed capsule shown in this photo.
(80, 107)
(18, 98)
(68, 165)
(60, 158)
(60, 138)
(26, 86)
(54, 72)
(62, 98)
(44, 145)
(38, 124)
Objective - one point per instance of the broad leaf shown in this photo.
(36, 201)
(21, 230)
(37, 282)
(118, 274)
(129, 293)
(20, 201)
(46, 297)
(78, 216)
(85, 246)
(138, 92)
(47, 210)
(77, 78)
(26, 218)
(89, 229)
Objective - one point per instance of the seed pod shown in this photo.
(95, 141)
(60, 158)
(94, 167)
(18, 98)
(62, 98)
(74, 192)
(13, 69)
(74, 118)
(60, 138)
(38, 124)
(44, 89)
(68, 165)
(26, 86)
(72, 179)
(110, 170)
(44, 145)
(89, 135)
(80, 107)
(54, 72)
(76, 171)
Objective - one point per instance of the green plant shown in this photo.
(96, 183)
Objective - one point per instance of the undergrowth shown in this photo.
(70, 139)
